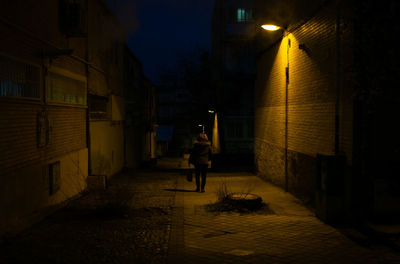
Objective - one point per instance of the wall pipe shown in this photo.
(287, 117)
(338, 81)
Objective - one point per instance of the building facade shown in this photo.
(105, 92)
(65, 82)
(311, 133)
(43, 78)
(141, 113)
(176, 112)
(233, 62)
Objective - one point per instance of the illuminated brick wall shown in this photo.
(309, 128)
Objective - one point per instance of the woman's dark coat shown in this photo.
(201, 153)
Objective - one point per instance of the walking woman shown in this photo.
(199, 157)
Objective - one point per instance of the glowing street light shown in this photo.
(215, 136)
(202, 126)
(270, 27)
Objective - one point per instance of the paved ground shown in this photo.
(155, 217)
(286, 233)
(127, 223)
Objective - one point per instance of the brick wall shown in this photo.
(18, 130)
(31, 30)
(309, 128)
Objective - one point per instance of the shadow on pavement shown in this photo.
(179, 190)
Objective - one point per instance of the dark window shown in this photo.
(250, 128)
(54, 177)
(234, 128)
(72, 16)
(116, 52)
(97, 107)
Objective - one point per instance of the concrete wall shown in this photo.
(106, 50)
(25, 194)
(295, 110)
(107, 151)
(134, 147)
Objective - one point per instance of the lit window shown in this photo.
(244, 15)
(63, 89)
(18, 79)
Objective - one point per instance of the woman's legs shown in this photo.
(203, 176)
(201, 170)
(197, 174)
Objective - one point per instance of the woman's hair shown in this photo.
(202, 137)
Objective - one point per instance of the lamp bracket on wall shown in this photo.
(304, 48)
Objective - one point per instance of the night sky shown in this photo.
(159, 30)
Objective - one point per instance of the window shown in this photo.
(244, 15)
(73, 18)
(239, 128)
(234, 128)
(54, 177)
(250, 128)
(64, 89)
(97, 107)
(18, 79)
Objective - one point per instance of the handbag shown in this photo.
(189, 176)
(191, 159)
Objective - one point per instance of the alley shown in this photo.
(104, 102)
(154, 216)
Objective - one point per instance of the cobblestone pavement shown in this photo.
(286, 233)
(156, 217)
(127, 223)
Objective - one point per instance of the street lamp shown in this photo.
(202, 126)
(270, 27)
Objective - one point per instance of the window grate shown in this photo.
(18, 79)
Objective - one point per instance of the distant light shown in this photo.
(270, 27)
(211, 111)
(200, 125)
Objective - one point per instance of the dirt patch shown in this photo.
(241, 203)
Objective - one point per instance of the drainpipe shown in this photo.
(286, 117)
(87, 90)
(338, 80)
